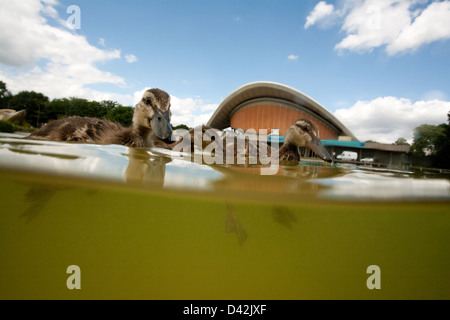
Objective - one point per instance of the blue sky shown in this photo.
(382, 67)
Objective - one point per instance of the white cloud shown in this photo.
(137, 96)
(292, 57)
(385, 119)
(321, 13)
(189, 111)
(131, 58)
(50, 59)
(434, 95)
(399, 25)
(431, 25)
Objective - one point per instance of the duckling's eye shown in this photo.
(304, 128)
(147, 100)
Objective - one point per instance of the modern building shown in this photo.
(270, 105)
(274, 107)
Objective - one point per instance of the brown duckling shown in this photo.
(150, 128)
(302, 133)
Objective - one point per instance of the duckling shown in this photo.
(150, 127)
(302, 133)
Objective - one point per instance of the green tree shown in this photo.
(6, 126)
(108, 109)
(5, 96)
(109, 104)
(442, 156)
(431, 146)
(78, 107)
(35, 105)
(401, 141)
(40, 109)
(181, 126)
(95, 109)
(425, 137)
(121, 114)
(58, 108)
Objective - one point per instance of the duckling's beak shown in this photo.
(161, 125)
(318, 148)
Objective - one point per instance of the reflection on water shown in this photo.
(361, 185)
(145, 169)
(68, 159)
(153, 224)
(159, 168)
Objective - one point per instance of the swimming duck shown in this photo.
(302, 133)
(150, 128)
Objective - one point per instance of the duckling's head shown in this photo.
(305, 133)
(153, 112)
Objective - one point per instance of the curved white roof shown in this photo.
(265, 89)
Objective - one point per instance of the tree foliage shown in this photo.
(40, 109)
(121, 114)
(5, 95)
(401, 142)
(34, 103)
(431, 146)
(6, 126)
(181, 126)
